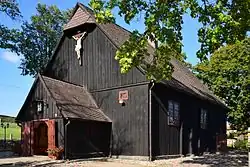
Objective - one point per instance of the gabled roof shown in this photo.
(71, 100)
(182, 78)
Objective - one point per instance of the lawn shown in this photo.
(13, 129)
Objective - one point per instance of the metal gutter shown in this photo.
(150, 119)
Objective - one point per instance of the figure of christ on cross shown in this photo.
(78, 45)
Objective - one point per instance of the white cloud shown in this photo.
(10, 57)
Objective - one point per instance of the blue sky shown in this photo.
(15, 87)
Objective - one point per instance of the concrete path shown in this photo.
(231, 159)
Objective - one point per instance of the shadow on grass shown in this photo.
(232, 158)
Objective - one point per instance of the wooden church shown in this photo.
(82, 103)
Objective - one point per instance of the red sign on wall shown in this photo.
(123, 95)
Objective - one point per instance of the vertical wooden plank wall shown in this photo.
(129, 122)
(60, 132)
(166, 138)
(100, 74)
(39, 93)
(99, 69)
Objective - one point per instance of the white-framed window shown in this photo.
(173, 113)
(203, 119)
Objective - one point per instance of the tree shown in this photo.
(227, 73)
(10, 8)
(36, 39)
(223, 22)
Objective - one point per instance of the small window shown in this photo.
(203, 119)
(39, 106)
(173, 113)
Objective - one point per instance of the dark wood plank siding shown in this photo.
(39, 93)
(165, 138)
(59, 132)
(129, 122)
(168, 140)
(65, 64)
(99, 70)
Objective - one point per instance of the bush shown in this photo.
(241, 144)
(231, 135)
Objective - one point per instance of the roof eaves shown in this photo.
(45, 86)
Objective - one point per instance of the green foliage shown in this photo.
(227, 73)
(137, 49)
(223, 22)
(163, 28)
(231, 136)
(36, 39)
(9, 8)
(241, 144)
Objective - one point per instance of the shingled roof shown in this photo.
(182, 78)
(74, 101)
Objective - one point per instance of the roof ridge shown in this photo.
(57, 80)
(72, 14)
(88, 9)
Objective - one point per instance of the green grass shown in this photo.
(13, 129)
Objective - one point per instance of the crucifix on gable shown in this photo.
(78, 37)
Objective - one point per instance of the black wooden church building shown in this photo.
(82, 103)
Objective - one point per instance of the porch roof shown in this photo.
(74, 101)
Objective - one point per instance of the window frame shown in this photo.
(203, 118)
(173, 113)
